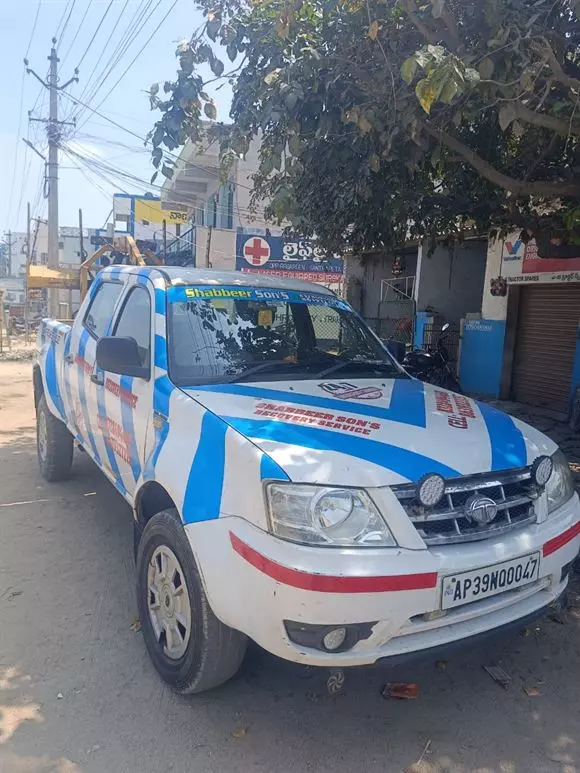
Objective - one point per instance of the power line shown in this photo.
(95, 83)
(143, 47)
(167, 153)
(62, 18)
(35, 22)
(66, 23)
(95, 33)
(82, 21)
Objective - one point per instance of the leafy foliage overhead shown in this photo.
(382, 120)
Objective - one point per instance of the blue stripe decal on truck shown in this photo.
(407, 400)
(508, 447)
(106, 435)
(408, 464)
(203, 493)
(128, 426)
(52, 380)
(82, 375)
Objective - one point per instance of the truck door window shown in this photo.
(135, 322)
(100, 311)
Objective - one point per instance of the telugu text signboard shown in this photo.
(281, 256)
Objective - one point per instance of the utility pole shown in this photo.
(165, 241)
(207, 263)
(53, 133)
(9, 242)
(28, 256)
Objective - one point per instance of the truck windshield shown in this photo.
(220, 334)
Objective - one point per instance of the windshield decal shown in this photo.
(204, 293)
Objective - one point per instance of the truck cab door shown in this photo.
(81, 376)
(125, 403)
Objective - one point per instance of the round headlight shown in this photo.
(333, 509)
(542, 470)
(430, 489)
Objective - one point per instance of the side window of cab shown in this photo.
(100, 312)
(134, 321)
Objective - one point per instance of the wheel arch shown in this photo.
(38, 384)
(152, 498)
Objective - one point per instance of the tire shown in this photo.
(212, 652)
(54, 444)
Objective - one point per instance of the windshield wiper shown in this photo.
(262, 366)
(370, 364)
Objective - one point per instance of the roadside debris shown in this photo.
(499, 676)
(59, 696)
(135, 625)
(417, 767)
(441, 665)
(404, 691)
(532, 692)
(240, 732)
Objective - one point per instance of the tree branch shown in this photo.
(547, 52)
(562, 127)
(413, 13)
(549, 189)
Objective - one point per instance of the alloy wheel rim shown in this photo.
(42, 436)
(168, 603)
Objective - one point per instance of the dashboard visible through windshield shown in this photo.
(220, 334)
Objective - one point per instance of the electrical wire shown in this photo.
(62, 18)
(60, 39)
(96, 78)
(138, 54)
(79, 27)
(35, 22)
(95, 33)
(167, 153)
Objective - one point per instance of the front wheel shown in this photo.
(190, 648)
(54, 444)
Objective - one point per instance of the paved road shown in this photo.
(77, 692)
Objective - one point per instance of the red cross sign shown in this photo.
(256, 251)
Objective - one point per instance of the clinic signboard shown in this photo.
(262, 253)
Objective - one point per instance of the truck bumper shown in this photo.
(390, 599)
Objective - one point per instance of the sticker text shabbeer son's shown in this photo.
(311, 418)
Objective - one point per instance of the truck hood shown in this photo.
(372, 432)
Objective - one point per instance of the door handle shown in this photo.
(97, 378)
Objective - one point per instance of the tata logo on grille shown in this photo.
(480, 509)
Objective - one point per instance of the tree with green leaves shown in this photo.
(384, 120)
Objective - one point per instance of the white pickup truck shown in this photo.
(290, 483)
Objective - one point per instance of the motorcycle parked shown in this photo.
(432, 364)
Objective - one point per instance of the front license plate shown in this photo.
(481, 583)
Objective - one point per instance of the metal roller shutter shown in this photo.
(548, 318)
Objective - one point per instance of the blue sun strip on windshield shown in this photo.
(265, 295)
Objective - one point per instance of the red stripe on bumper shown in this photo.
(562, 539)
(324, 583)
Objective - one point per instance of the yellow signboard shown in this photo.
(149, 211)
(57, 278)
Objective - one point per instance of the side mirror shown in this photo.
(120, 355)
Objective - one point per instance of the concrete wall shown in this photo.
(450, 281)
(222, 248)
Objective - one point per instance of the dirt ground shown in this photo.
(77, 692)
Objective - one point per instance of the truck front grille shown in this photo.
(512, 490)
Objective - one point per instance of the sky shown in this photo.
(94, 137)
